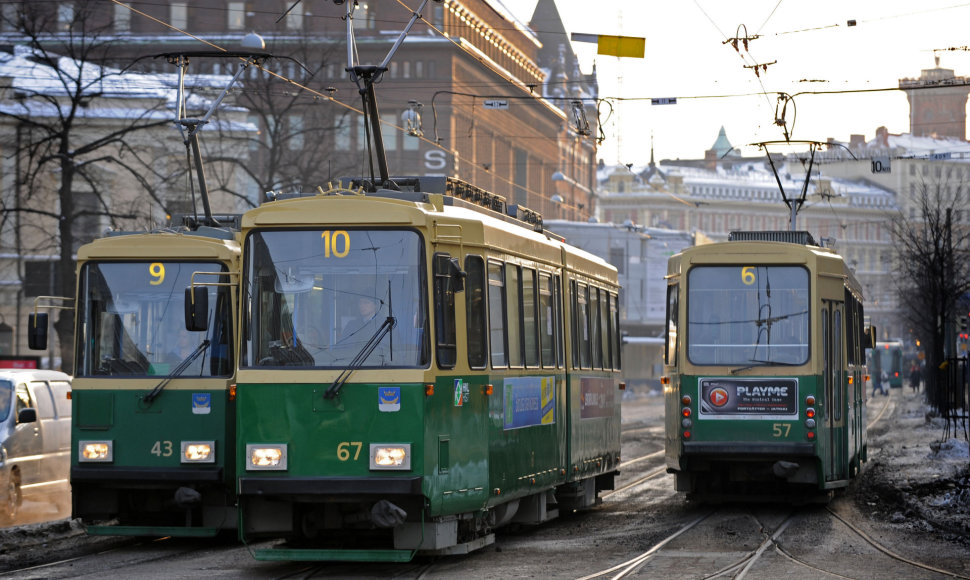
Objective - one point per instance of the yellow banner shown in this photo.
(630, 46)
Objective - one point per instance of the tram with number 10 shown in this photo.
(417, 369)
(764, 369)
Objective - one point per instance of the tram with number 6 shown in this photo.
(764, 369)
(417, 369)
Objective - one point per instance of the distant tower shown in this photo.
(937, 103)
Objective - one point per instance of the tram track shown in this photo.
(740, 566)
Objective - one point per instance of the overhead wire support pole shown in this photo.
(365, 76)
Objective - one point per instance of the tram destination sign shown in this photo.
(727, 398)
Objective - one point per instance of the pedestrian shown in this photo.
(877, 383)
(914, 378)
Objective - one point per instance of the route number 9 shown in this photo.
(157, 271)
(747, 275)
(337, 243)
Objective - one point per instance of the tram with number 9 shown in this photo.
(417, 369)
(152, 443)
(764, 369)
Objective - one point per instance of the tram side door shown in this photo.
(834, 385)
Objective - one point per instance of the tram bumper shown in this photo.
(753, 461)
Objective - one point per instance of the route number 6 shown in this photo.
(747, 275)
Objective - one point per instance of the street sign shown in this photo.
(664, 101)
(881, 164)
(502, 104)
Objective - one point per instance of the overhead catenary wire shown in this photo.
(331, 99)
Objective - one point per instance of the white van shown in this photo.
(35, 438)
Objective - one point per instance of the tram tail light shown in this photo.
(810, 400)
(685, 411)
(198, 452)
(266, 457)
(810, 412)
(95, 451)
(428, 389)
(392, 456)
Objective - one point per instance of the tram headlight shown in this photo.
(266, 456)
(395, 456)
(96, 451)
(810, 423)
(198, 452)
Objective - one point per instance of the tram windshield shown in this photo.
(322, 298)
(132, 320)
(747, 315)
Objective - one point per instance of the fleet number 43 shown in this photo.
(780, 429)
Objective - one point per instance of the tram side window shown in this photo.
(670, 338)
(446, 348)
(850, 338)
(605, 329)
(558, 323)
(582, 324)
(514, 309)
(547, 335)
(595, 328)
(529, 325)
(496, 314)
(475, 321)
(837, 364)
(615, 333)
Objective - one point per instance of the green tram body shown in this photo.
(764, 370)
(129, 313)
(497, 423)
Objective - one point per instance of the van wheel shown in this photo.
(10, 508)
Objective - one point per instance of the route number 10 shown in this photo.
(336, 243)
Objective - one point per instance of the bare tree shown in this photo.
(933, 257)
(293, 150)
(66, 149)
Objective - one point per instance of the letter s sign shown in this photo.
(435, 160)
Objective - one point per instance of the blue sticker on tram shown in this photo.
(201, 403)
(389, 399)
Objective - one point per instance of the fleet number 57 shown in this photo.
(780, 429)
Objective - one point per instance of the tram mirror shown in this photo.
(870, 337)
(290, 283)
(196, 308)
(37, 330)
(457, 275)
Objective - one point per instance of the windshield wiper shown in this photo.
(358, 360)
(761, 363)
(179, 369)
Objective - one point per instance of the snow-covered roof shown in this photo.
(25, 71)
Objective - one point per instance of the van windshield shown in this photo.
(131, 320)
(6, 390)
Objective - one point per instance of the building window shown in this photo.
(236, 13)
(295, 140)
(65, 16)
(179, 15)
(294, 20)
(364, 16)
(41, 279)
(122, 17)
(617, 258)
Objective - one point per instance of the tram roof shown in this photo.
(485, 218)
(161, 244)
